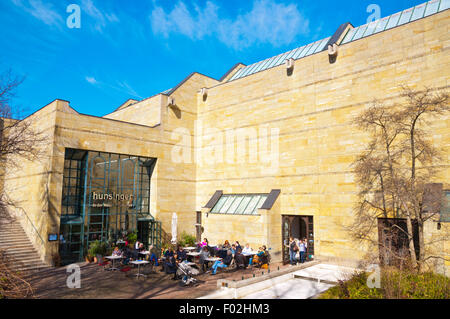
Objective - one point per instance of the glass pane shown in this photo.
(406, 16)
(360, 32)
(298, 52)
(432, 7)
(445, 4)
(227, 204)
(243, 204)
(418, 11)
(305, 50)
(393, 21)
(381, 25)
(219, 204)
(251, 206)
(261, 201)
(237, 201)
(349, 36)
(321, 45)
(371, 28)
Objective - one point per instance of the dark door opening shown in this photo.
(297, 227)
(143, 232)
(393, 241)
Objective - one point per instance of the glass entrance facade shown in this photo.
(105, 196)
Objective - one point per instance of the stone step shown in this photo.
(17, 246)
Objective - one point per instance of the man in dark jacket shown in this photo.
(240, 259)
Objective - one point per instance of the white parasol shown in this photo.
(174, 228)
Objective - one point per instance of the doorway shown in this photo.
(297, 227)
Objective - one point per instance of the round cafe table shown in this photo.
(139, 263)
(113, 259)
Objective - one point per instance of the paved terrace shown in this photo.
(98, 284)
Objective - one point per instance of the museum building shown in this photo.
(261, 154)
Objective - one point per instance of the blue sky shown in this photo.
(137, 48)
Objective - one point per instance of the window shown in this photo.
(445, 211)
(239, 204)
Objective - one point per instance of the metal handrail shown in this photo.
(37, 232)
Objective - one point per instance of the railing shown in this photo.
(29, 220)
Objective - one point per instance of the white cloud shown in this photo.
(120, 86)
(41, 11)
(267, 22)
(101, 19)
(91, 80)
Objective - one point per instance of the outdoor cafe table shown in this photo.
(139, 263)
(113, 259)
(189, 248)
(193, 254)
(250, 253)
(213, 259)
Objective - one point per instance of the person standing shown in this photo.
(292, 251)
(302, 249)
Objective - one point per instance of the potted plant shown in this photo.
(97, 249)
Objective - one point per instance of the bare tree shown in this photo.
(19, 141)
(396, 169)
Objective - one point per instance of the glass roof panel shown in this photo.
(261, 65)
(227, 204)
(290, 54)
(445, 4)
(393, 21)
(313, 48)
(234, 206)
(261, 201)
(371, 28)
(305, 50)
(298, 52)
(381, 25)
(281, 59)
(419, 11)
(219, 204)
(406, 16)
(321, 45)
(237, 74)
(252, 205)
(271, 64)
(349, 36)
(246, 70)
(243, 204)
(432, 7)
(360, 32)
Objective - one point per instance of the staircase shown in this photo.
(16, 245)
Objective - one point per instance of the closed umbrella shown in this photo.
(174, 228)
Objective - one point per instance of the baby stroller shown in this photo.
(187, 274)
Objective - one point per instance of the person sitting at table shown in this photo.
(222, 263)
(226, 245)
(221, 252)
(238, 245)
(129, 255)
(247, 249)
(169, 252)
(203, 255)
(137, 244)
(117, 252)
(181, 254)
(241, 261)
(170, 265)
(204, 243)
(153, 259)
(233, 249)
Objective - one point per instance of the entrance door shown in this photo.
(143, 228)
(297, 227)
